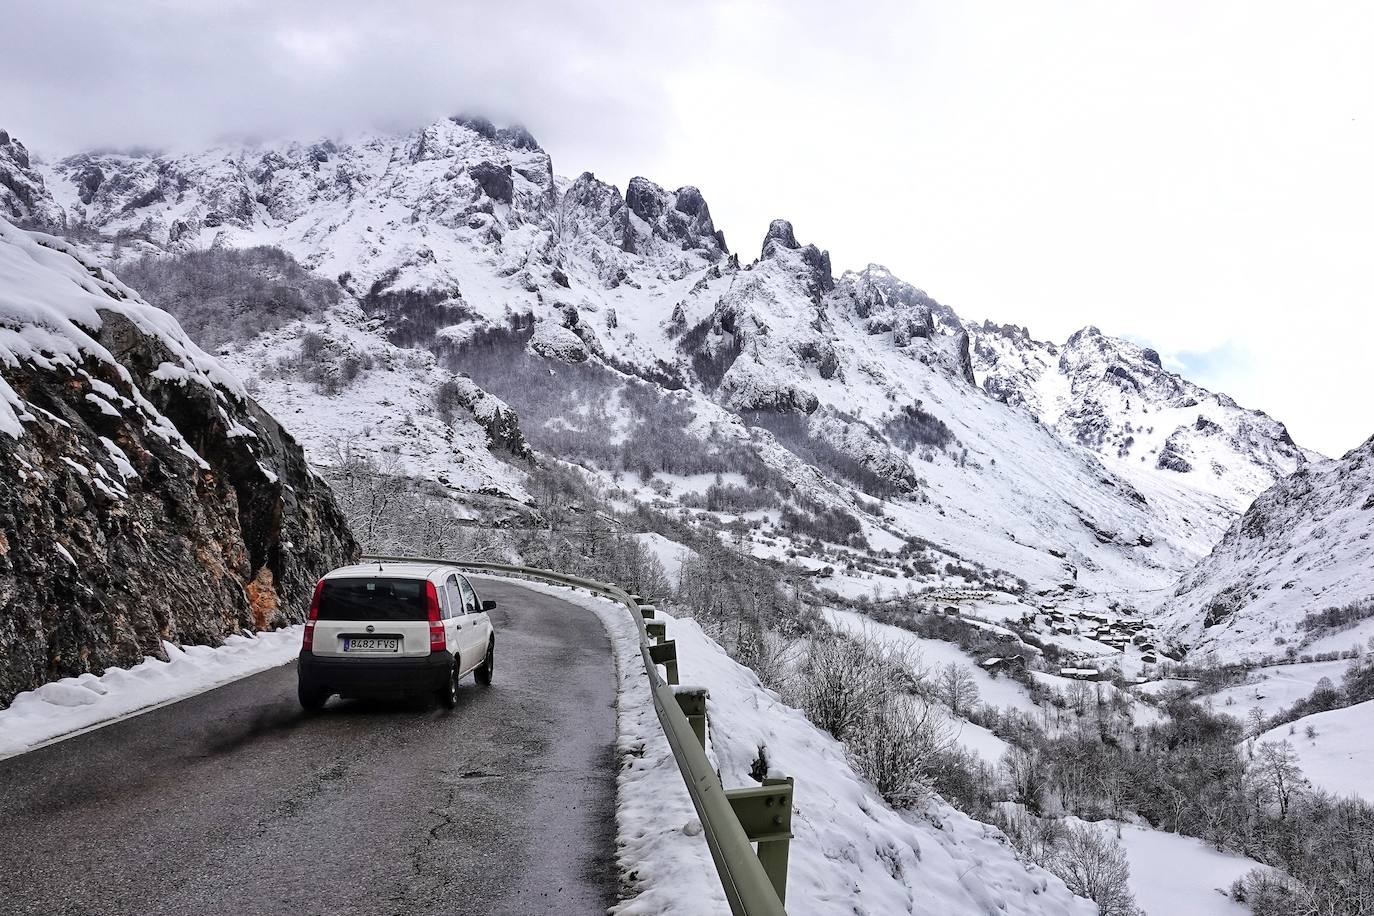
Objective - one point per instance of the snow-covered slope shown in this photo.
(1116, 398)
(1335, 748)
(459, 239)
(851, 853)
(1273, 688)
(1305, 545)
(393, 404)
(1173, 874)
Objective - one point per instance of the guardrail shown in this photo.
(732, 820)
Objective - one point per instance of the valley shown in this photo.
(1060, 575)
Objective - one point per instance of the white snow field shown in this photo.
(1340, 757)
(852, 854)
(1275, 687)
(1173, 875)
(935, 653)
(75, 704)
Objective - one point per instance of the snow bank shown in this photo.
(851, 854)
(75, 704)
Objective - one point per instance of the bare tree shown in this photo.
(1276, 766)
(1029, 778)
(370, 493)
(957, 688)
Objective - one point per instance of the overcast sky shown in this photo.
(1197, 176)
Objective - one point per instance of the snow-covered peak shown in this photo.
(878, 288)
(780, 242)
(1116, 398)
(678, 218)
(460, 232)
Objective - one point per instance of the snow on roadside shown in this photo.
(74, 704)
(663, 858)
(851, 854)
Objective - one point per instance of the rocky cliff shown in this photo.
(145, 496)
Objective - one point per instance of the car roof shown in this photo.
(389, 570)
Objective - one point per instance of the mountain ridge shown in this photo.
(457, 237)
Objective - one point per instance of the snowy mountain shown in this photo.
(1116, 398)
(147, 497)
(629, 340)
(1305, 545)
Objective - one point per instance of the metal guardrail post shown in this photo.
(692, 701)
(657, 630)
(765, 813)
(665, 654)
(753, 881)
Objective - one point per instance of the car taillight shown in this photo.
(308, 640)
(438, 642)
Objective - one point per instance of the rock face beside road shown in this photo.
(143, 495)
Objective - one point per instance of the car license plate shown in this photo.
(372, 644)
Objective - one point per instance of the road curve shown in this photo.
(234, 802)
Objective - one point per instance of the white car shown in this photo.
(394, 629)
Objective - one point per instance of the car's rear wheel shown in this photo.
(488, 667)
(312, 698)
(448, 694)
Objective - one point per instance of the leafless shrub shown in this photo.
(897, 745)
(1093, 865)
(1270, 893)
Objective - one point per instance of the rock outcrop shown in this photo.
(23, 196)
(145, 497)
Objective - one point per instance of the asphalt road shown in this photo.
(234, 802)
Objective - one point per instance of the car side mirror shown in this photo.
(488, 605)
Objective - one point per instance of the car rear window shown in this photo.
(373, 599)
